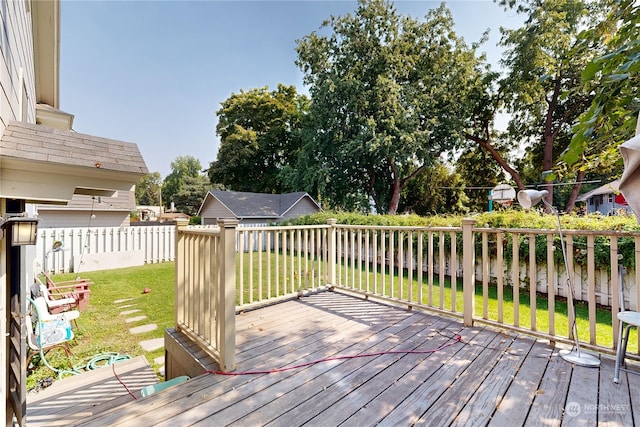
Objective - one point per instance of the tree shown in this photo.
(612, 115)
(389, 96)
(148, 190)
(543, 89)
(182, 168)
(191, 193)
(479, 173)
(259, 134)
(434, 191)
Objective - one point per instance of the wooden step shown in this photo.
(77, 397)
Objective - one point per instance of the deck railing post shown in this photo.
(227, 294)
(468, 270)
(331, 261)
(179, 287)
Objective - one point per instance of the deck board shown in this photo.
(481, 405)
(549, 401)
(84, 395)
(488, 378)
(523, 390)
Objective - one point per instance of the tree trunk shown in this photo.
(395, 190)
(486, 145)
(571, 203)
(549, 136)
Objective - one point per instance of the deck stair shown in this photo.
(74, 398)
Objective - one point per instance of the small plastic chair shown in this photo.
(154, 388)
(631, 319)
(56, 305)
(46, 331)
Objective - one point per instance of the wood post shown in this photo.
(332, 251)
(227, 294)
(468, 270)
(181, 224)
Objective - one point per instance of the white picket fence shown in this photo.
(103, 248)
(87, 249)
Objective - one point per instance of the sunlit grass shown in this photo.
(101, 328)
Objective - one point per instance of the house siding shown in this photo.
(212, 210)
(16, 53)
(108, 211)
(303, 207)
(69, 219)
(17, 82)
(606, 205)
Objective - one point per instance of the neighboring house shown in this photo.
(606, 199)
(172, 217)
(149, 213)
(154, 215)
(255, 208)
(41, 161)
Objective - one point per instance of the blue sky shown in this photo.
(155, 72)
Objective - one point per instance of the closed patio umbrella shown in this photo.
(630, 181)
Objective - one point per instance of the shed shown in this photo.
(606, 199)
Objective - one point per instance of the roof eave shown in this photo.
(46, 46)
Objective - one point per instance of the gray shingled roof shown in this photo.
(26, 141)
(260, 205)
(609, 188)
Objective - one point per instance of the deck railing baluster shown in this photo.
(486, 268)
(515, 277)
(430, 267)
(615, 287)
(442, 267)
(551, 283)
(591, 275)
(499, 274)
(533, 281)
(453, 273)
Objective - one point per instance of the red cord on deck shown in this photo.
(113, 367)
(456, 339)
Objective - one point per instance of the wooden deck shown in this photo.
(79, 397)
(490, 377)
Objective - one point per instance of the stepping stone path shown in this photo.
(135, 319)
(147, 345)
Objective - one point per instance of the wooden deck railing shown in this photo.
(511, 278)
(205, 289)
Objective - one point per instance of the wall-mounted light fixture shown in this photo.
(22, 230)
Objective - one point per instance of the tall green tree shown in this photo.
(191, 194)
(259, 134)
(389, 96)
(479, 172)
(148, 190)
(543, 90)
(434, 191)
(182, 167)
(612, 115)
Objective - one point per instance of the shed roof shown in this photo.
(612, 187)
(258, 205)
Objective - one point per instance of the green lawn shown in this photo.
(102, 329)
(604, 335)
